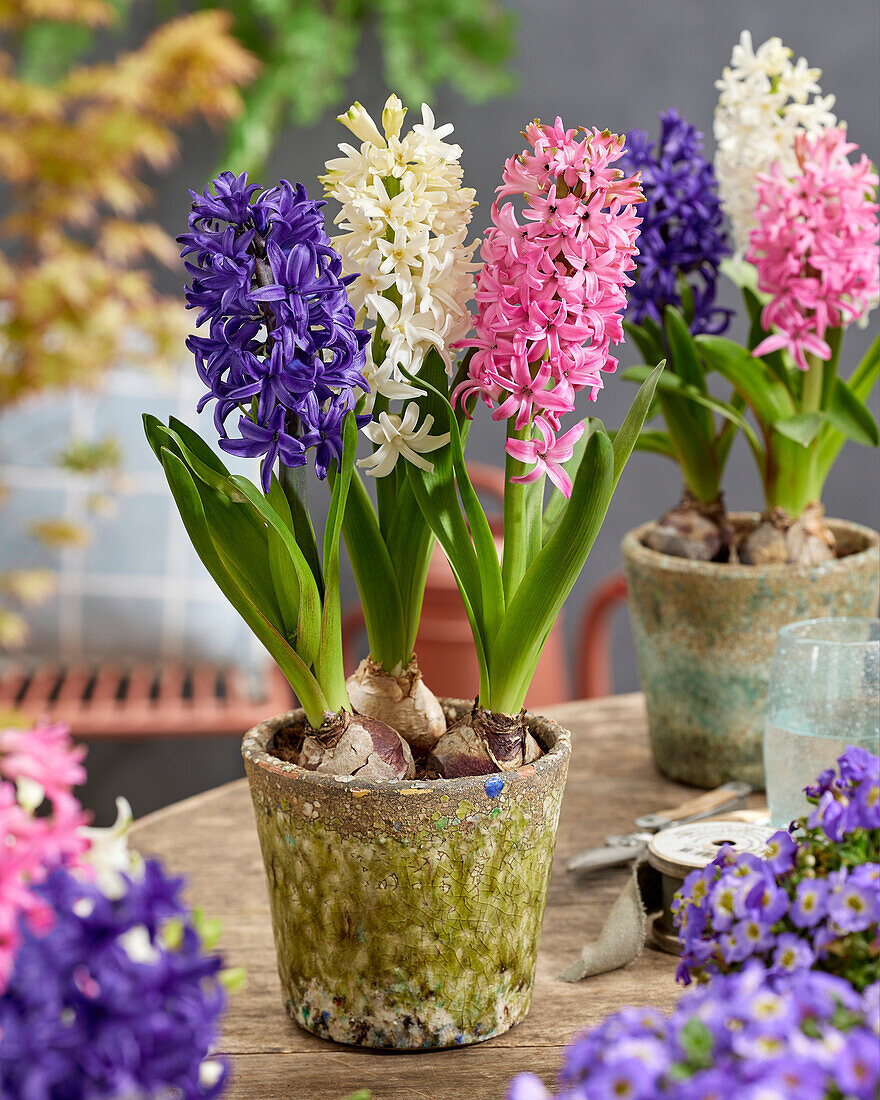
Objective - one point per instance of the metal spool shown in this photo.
(673, 853)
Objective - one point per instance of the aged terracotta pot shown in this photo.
(704, 635)
(407, 914)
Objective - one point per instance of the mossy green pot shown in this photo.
(705, 633)
(407, 914)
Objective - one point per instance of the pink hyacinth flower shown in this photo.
(552, 289)
(815, 246)
(37, 766)
(547, 452)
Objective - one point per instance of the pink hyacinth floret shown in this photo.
(33, 846)
(552, 288)
(815, 245)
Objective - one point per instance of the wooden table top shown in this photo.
(212, 840)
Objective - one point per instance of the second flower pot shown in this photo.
(407, 914)
(704, 635)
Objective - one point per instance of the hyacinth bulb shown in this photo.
(483, 742)
(353, 744)
(779, 540)
(692, 530)
(404, 702)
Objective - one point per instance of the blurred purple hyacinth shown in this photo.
(681, 232)
(282, 348)
(802, 1036)
(101, 1007)
(813, 900)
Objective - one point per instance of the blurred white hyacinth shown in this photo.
(765, 101)
(404, 220)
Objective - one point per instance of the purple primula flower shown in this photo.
(780, 852)
(282, 348)
(810, 903)
(812, 900)
(100, 1006)
(751, 1035)
(681, 233)
(792, 953)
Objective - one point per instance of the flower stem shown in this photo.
(515, 558)
(811, 400)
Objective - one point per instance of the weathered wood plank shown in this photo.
(212, 839)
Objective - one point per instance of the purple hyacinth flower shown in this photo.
(282, 339)
(269, 441)
(681, 233)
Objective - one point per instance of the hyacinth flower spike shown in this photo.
(681, 245)
(805, 216)
(403, 219)
(550, 293)
(284, 359)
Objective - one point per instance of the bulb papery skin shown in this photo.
(692, 530)
(484, 742)
(353, 744)
(780, 540)
(403, 702)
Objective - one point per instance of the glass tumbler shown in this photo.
(824, 694)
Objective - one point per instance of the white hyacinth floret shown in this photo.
(765, 101)
(404, 220)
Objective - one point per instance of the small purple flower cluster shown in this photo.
(282, 347)
(813, 900)
(681, 234)
(107, 1003)
(802, 1036)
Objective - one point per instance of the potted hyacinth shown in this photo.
(709, 590)
(391, 822)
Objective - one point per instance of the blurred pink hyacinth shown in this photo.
(815, 245)
(552, 288)
(37, 766)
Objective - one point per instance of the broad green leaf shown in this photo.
(861, 382)
(284, 578)
(491, 584)
(645, 342)
(775, 360)
(802, 427)
(377, 581)
(328, 664)
(239, 490)
(539, 598)
(189, 504)
(683, 358)
(851, 417)
(657, 443)
(751, 377)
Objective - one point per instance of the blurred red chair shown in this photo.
(444, 645)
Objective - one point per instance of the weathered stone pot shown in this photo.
(407, 914)
(704, 635)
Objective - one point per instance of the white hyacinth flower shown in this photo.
(765, 101)
(404, 221)
(109, 855)
(395, 436)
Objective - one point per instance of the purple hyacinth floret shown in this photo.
(744, 1036)
(813, 900)
(681, 233)
(282, 349)
(101, 1007)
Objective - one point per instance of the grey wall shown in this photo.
(615, 63)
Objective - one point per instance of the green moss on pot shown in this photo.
(705, 633)
(407, 914)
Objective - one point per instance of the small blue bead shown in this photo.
(494, 786)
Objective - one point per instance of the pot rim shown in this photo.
(255, 741)
(634, 549)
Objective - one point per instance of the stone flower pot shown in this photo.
(407, 914)
(704, 635)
